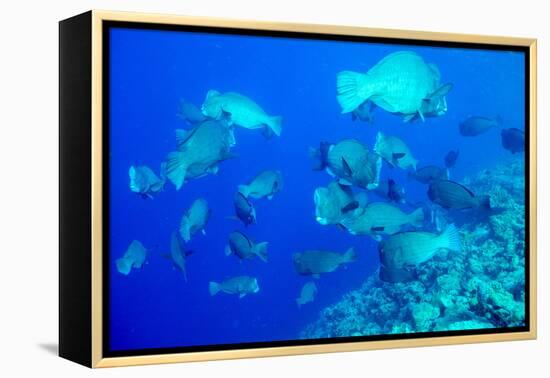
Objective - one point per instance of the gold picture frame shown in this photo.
(90, 329)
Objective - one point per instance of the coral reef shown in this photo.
(483, 286)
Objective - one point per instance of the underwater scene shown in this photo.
(273, 188)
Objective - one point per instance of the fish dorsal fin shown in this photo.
(183, 136)
(347, 168)
(463, 187)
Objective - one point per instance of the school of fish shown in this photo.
(401, 83)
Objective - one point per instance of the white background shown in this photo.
(29, 174)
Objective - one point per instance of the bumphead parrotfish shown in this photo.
(266, 184)
(241, 111)
(134, 257)
(194, 219)
(313, 263)
(402, 82)
(240, 285)
(350, 162)
(199, 151)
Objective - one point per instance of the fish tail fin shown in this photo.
(275, 124)
(176, 168)
(451, 238)
(260, 250)
(485, 202)
(244, 190)
(350, 255)
(319, 156)
(349, 86)
(132, 173)
(417, 217)
(214, 288)
(184, 271)
(185, 229)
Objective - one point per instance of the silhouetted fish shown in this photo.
(315, 262)
(429, 173)
(178, 255)
(451, 157)
(513, 140)
(452, 195)
(244, 210)
(241, 246)
(475, 126)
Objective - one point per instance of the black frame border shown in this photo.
(106, 28)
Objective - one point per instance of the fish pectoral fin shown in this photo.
(213, 169)
(397, 155)
(409, 118)
(347, 168)
(242, 295)
(350, 206)
(421, 115)
(344, 182)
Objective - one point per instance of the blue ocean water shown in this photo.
(150, 71)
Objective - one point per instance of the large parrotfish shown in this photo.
(401, 83)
